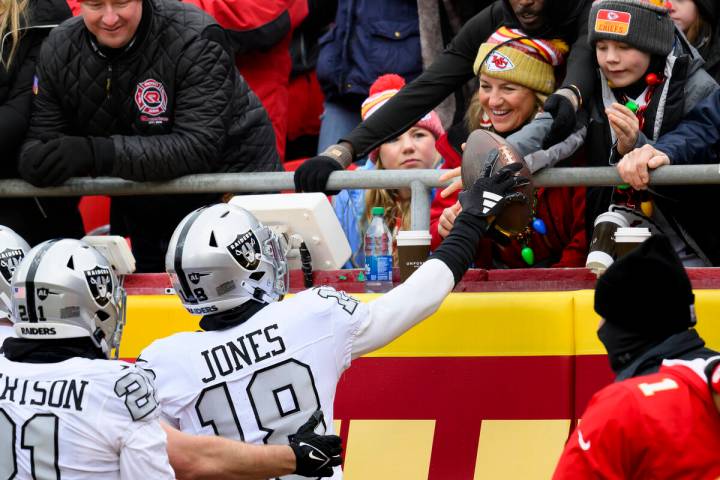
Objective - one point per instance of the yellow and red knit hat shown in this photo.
(529, 62)
(381, 91)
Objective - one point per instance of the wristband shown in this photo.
(340, 154)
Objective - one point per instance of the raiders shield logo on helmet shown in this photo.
(10, 258)
(246, 250)
(99, 280)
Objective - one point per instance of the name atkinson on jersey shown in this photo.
(66, 393)
(252, 348)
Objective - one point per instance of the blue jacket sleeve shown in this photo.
(696, 134)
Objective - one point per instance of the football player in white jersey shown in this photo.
(13, 249)
(262, 365)
(68, 412)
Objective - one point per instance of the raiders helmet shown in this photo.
(13, 249)
(221, 256)
(67, 289)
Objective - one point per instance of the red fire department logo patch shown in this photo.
(150, 97)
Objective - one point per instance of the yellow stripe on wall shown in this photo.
(526, 449)
(398, 449)
(492, 324)
(707, 308)
(467, 324)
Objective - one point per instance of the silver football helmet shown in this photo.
(13, 249)
(67, 289)
(221, 256)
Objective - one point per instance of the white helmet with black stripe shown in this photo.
(221, 257)
(13, 249)
(67, 289)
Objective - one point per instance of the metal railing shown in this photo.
(419, 181)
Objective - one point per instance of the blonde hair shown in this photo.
(395, 207)
(11, 14)
(475, 111)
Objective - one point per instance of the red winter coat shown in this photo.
(260, 31)
(562, 210)
(660, 426)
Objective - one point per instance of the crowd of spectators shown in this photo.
(152, 90)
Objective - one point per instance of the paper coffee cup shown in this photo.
(627, 239)
(602, 245)
(413, 248)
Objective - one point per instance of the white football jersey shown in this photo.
(80, 419)
(261, 380)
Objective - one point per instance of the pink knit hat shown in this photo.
(380, 92)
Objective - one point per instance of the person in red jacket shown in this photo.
(658, 420)
(260, 32)
(660, 426)
(515, 78)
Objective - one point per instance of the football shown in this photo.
(486, 153)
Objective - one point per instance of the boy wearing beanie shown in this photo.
(649, 77)
(662, 425)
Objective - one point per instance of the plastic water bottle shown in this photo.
(378, 254)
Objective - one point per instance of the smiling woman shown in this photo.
(515, 78)
(516, 73)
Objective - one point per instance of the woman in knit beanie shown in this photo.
(414, 149)
(523, 70)
(697, 19)
(515, 75)
(649, 77)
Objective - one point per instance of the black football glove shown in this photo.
(57, 160)
(315, 455)
(564, 119)
(488, 195)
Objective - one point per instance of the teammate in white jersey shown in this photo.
(13, 249)
(261, 366)
(65, 410)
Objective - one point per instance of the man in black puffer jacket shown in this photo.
(144, 90)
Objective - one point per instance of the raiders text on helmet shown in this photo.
(67, 289)
(221, 256)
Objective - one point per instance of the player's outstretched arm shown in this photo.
(196, 457)
(421, 295)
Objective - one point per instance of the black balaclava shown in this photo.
(644, 297)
